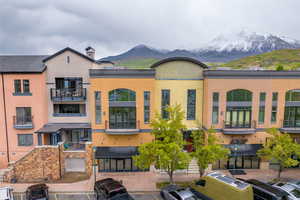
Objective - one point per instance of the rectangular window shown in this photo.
(261, 112)
(191, 105)
(215, 108)
(26, 86)
(23, 115)
(69, 110)
(274, 107)
(275, 96)
(261, 115)
(146, 106)
(25, 139)
(17, 84)
(165, 102)
(98, 110)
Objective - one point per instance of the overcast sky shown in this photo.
(113, 26)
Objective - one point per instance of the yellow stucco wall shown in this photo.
(178, 77)
(178, 95)
(139, 85)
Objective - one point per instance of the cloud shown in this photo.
(111, 27)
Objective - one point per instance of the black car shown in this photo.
(37, 192)
(110, 189)
(265, 191)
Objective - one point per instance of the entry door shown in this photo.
(239, 119)
(120, 165)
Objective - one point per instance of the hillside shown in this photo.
(138, 63)
(289, 58)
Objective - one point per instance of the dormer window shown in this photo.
(68, 59)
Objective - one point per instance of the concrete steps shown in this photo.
(193, 167)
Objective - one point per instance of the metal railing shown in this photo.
(122, 125)
(68, 94)
(290, 123)
(74, 146)
(23, 122)
(236, 124)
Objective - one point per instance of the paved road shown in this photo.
(90, 196)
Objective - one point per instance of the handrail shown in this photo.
(137, 125)
(19, 121)
(251, 124)
(68, 93)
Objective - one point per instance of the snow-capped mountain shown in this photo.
(250, 42)
(221, 49)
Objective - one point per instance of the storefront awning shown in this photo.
(115, 152)
(243, 149)
(56, 127)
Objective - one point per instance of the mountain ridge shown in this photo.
(220, 49)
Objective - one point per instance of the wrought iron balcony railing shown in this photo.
(68, 94)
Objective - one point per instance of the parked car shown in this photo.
(110, 189)
(265, 191)
(295, 183)
(6, 193)
(219, 186)
(174, 192)
(37, 192)
(292, 190)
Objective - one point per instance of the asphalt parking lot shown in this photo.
(90, 196)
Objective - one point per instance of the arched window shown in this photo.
(122, 109)
(292, 95)
(121, 95)
(238, 109)
(239, 95)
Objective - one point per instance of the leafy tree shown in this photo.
(166, 150)
(282, 148)
(206, 149)
(279, 68)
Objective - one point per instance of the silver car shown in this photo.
(293, 191)
(296, 183)
(6, 193)
(174, 192)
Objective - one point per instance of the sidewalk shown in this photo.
(146, 181)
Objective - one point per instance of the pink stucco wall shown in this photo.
(38, 104)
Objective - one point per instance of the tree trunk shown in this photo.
(279, 172)
(201, 172)
(171, 177)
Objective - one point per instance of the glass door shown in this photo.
(238, 118)
(122, 117)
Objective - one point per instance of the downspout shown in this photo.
(5, 119)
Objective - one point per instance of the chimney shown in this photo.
(90, 52)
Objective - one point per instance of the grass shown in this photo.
(160, 185)
(288, 58)
(138, 63)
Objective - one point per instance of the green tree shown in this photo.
(206, 149)
(280, 147)
(166, 150)
(279, 68)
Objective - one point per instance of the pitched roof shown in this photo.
(68, 49)
(171, 59)
(22, 64)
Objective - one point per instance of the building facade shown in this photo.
(71, 101)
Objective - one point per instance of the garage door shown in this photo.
(75, 165)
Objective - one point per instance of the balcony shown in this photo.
(74, 146)
(239, 128)
(68, 94)
(122, 128)
(290, 126)
(23, 122)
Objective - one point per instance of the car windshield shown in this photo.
(37, 193)
(296, 193)
(191, 198)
